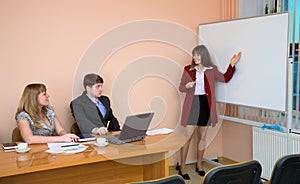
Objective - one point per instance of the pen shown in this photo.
(69, 145)
(107, 124)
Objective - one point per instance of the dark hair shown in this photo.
(91, 79)
(205, 57)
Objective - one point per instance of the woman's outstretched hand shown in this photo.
(235, 58)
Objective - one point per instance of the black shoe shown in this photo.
(177, 166)
(184, 176)
(201, 173)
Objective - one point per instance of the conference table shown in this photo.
(137, 161)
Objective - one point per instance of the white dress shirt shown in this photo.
(199, 88)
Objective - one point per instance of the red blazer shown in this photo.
(210, 77)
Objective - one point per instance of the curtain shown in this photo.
(230, 9)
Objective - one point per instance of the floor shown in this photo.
(195, 178)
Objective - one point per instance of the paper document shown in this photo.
(65, 148)
(159, 131)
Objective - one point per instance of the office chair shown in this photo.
(286, 170)
(75, 129)
(16, 135)
(173, 179)
(239, 173)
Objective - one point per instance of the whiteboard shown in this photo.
(260, 79)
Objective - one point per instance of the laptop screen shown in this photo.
(136, 125)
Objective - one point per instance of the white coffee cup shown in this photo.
(22, 146)
(101, 141)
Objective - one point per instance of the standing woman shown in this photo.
(199, 108)
(36, 119)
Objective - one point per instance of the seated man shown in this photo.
(92, 110)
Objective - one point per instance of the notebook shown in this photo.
(134, 129)
(10, 146)
(86, 137)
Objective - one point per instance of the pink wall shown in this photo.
(237, 141)
(46, 41)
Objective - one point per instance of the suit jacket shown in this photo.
(88, 116)
(210, 77)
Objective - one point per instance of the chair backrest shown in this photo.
(239, 173)
(75, 129)
(286, 170)
(16, 135)
(173, 179)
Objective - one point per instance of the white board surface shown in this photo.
(260, 79)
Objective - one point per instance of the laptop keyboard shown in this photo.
(115, 140)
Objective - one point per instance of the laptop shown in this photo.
(134, 129)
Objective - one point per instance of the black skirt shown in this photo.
(199, 114)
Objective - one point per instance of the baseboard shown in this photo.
(215, 160)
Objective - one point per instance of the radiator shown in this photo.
(269, 145)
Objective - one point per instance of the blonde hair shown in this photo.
(29, 102)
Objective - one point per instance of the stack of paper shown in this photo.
(65, 148)
(159, 131)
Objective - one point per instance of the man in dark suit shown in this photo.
(92, 110)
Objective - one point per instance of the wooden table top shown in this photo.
(37, 159)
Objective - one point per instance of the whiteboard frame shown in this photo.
(209, 36)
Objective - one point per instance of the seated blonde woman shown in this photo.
(36, 119)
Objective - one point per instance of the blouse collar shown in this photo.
(203, 69)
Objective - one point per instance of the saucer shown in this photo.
(96, 144)
(22, 151)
